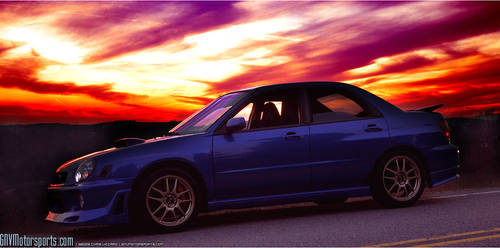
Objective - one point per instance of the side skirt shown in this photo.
(256, 201)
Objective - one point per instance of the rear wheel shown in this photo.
(167, 200)
(398, 180)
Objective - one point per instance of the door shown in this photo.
(347, 135)
(269, 156)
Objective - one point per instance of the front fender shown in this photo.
(194, 150)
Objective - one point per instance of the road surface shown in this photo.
(455, 218)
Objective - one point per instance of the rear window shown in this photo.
(330, 106)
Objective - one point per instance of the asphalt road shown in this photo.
(456, 218)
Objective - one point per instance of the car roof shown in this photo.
(382, 105)
(293, 85)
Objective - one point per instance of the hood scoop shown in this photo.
(128, 142)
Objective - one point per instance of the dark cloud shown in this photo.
(478, 75)
(105, 26)
(477, 86)
(102, 92)
(200, 17)
(387, 40)
(20, 73)
(269, 74)
(408, 63)
(463, 102)
(478, 19)
(99, 17)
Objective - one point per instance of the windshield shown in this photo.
(205, 117)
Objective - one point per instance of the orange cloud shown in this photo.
(160, 61)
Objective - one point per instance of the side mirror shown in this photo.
(235, 124)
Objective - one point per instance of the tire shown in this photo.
(155, 207)
(398, 180)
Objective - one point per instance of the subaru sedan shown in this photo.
(276, 144)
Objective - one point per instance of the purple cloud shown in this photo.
(197, 18)
(479, 19)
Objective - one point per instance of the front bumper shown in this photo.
(91, 203)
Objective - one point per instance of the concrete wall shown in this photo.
(30, 154)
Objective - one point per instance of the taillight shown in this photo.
(443, 124)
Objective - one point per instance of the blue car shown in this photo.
(276, 144)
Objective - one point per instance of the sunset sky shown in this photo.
(89, 62)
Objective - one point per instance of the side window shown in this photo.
(328, 106)
(279, 108)
(270, 109)
(245, 113)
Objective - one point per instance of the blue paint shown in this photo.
(305, 161)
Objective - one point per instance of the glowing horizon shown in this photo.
(91, 62)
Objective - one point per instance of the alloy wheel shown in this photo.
(170, 200)
(401, 178)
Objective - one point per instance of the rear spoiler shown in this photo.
(429, 109)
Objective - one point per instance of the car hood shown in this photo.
(65, 173)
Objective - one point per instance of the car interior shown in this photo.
(275, 111)
(282, 108)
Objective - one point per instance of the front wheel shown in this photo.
(167, 200)
(398, 180)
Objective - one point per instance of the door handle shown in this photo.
(292, 136)
(373, 128)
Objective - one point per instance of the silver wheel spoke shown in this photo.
(159, 207)
(397, 165)
(154, 198)
(157, 190)
(411, 188)
(390, 178)
(393, 172)
(174, 189)
(183, 192)
(167, 186)
(392, 187)
(173, 213)
(180, 209)
(164, 214)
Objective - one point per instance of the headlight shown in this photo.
(84, 170)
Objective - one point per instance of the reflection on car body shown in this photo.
(315, 141)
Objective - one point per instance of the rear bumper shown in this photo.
(92, 203)
(446, 180)
(444, 164)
